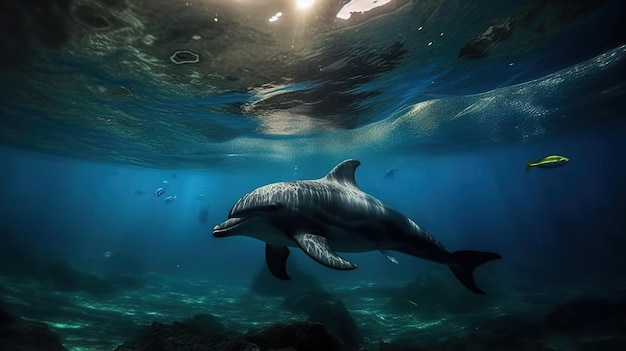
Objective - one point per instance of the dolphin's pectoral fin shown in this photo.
(389, 257)
(317, 247)
(276, 258)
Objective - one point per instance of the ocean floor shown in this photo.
(558, 320)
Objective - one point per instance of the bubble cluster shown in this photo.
(181, 57)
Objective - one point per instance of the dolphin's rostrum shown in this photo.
(332, 214)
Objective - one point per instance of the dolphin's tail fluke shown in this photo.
(528, 165)
(465, 262)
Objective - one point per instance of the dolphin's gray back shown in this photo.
(343, 206)
(313, 196)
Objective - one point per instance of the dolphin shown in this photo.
(332, 214)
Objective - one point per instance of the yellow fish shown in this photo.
(553, 161)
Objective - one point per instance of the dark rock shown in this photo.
(588, 312)
(206, 333)
(616, 343)
(339, 321)
(20, 335)
(504, 333)
(513, 334)
(585, 323)
(6, 318)
(322, 306)
(494, 340)
(383, 346)
(302, 336)
(205, 323)
(200, 333)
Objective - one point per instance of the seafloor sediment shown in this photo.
(173, 313)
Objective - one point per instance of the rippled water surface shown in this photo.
(172, 83)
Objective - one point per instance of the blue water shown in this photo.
(95, 117)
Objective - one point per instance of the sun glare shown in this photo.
(304, 4)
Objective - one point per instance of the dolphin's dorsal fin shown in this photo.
(344, 173)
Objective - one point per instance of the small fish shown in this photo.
(413, 303)
(139, 192)
(170, 198)
(166, 184)
(553, 161)
(159, 192)
(390, 174)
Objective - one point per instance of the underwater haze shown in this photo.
(130, 128)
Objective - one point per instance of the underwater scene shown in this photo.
(306, 175)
